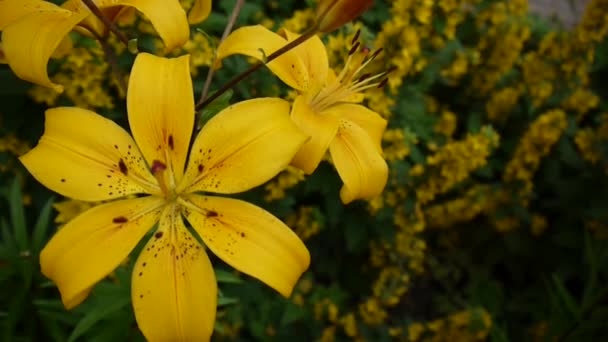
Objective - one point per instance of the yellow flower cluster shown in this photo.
(13, 145)
(396, 144)
(501, 103)
(469, 325)
(86, 78)
(535, 144)
(505, 33)
(475, 201)
(276, 188)
(588, 139)
(409, 25)
(304, 222)
(454, 162)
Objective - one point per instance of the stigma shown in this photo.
(351, 80)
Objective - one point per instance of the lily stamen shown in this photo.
(158, 171)
(351, 79)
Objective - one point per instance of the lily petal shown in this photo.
(199, 11)
(174, 291)
(160, 103)
(168, 18)
(370, 121)
(359, 163)
(29, 42)
(259, 42)
(11, 10)
(321, 128)
(249, 239)
(93, 244)
(314, 56)
(242, 147)
(87, 157)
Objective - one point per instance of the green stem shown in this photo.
(107, 22)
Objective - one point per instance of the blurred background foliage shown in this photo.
(492, 227)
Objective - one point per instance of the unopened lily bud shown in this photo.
(331, 14)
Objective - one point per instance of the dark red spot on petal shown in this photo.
(200, 168)
(62, 180)
(120, 219)
(123, 167)
(170, 142)
(158, 235)
(242, 234)
(212, 213)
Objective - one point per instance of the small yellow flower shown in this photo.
(326, 107)
(33, 29)
(87, 157)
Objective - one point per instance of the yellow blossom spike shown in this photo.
(174, 291)
(249, 239)
(331, 14)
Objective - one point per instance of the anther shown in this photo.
(354, 49)
(376, 53)
(356, 37)
(383, 83)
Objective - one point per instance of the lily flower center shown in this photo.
(351, 79)
(165, 178)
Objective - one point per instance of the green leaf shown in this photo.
(215, 107)
(227, 277)
(98, 313)
(41, 227)
(292, 313)
(565, 298)
(15, 200)
(221, 301)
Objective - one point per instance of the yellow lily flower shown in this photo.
(326, 107)
(87, 157)
(33, 29)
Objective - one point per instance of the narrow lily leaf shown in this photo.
(15, 199)
(41, 227)
(215, 107)
(227, 277)
(226, 301)
(566, 299)
(98, 313)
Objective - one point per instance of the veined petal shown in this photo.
(359, 163)
(314, 56)
(200, 11)
(173, 288)
(321, 128)
(93, 244)
(11, 10)
(243, 146)
(160, 103)
(249, 239)
(252, 40)
(29, 42)
(370, 121)
(168, 18)
(87, 157)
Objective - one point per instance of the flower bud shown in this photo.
(331, 14)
